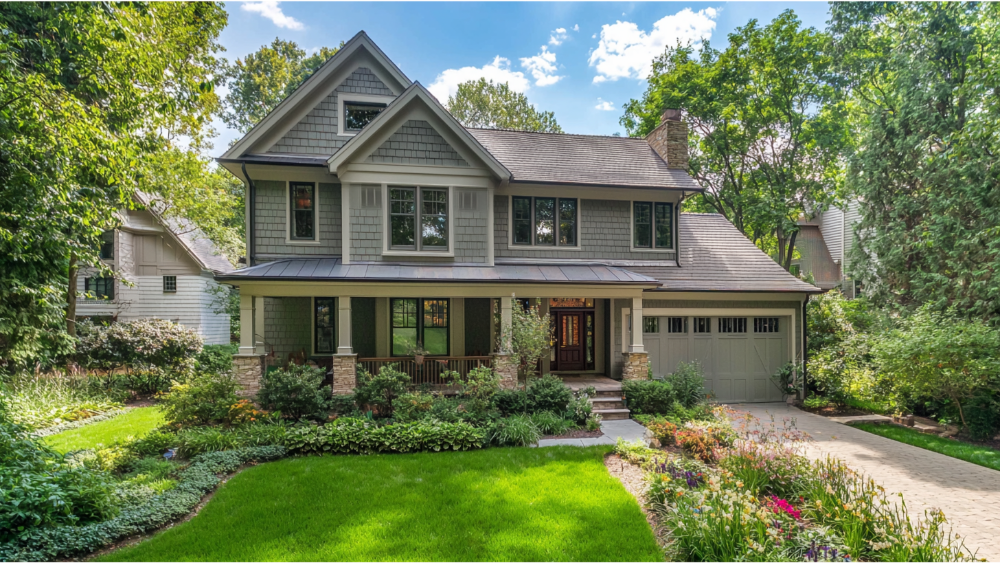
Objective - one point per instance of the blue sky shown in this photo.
(582, 60)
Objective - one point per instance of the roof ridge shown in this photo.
(552, 133)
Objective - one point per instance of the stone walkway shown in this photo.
(968, 494)
(629, 430)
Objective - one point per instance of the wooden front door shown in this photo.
(570, 349)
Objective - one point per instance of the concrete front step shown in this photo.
(603, 403)
(613, 414)
(608, 394)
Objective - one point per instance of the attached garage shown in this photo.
(738, 354)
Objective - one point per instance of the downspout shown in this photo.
(684, 196)
(805, 346)
(251, 247)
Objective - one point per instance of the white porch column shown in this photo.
(344, 326)
(246, 325)
(506, 321)
(636, 346)
(258, 325)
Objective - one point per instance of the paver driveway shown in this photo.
(968, 494)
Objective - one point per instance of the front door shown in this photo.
(570, 351)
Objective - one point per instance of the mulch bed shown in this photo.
(634, 481)
(834, 411)
(575, 434)
(141, 403)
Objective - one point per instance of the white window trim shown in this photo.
(387, 223)
(631, 226)
(533, 246)
(364, 98)
(288, 215)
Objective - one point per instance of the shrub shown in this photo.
(410, 407)
(649, 396)
(215, 358)
(816, 402)
(983, 416)
(688, 384)
(704, 441)
(478, 387)
(511, 401)
(517, 430)
(360, 436)
(662, 429)
(207, 398)
(40, 489)
(139, 345)
(200, 440)
(380, 390)
(343, 405)
(548, 393)
(579, 409)
(551, 424)
(154, 443)
(295, 392)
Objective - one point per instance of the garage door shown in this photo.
(738, 354)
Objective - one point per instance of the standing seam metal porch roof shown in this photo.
(332, 269)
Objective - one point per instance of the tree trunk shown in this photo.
(790, 252)
(961, 414)
(71, 297)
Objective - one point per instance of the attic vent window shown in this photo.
(359, 114)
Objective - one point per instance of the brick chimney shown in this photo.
(670, 139)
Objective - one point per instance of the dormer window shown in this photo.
(359, 114)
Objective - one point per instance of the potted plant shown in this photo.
(418, 353)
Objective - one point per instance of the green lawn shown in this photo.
(980, 455)
(136, 422)
(504, 504)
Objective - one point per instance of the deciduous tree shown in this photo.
(489, 105)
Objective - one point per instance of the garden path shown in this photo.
(629, 430)
(968, 494)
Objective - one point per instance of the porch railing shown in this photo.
(429, 373)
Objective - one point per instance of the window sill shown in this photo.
(537, 247)
(429, 253)
(301, 242)
(658, 250)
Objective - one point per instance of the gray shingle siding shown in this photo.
(416, 142)
(287, 326)
(604, 234)
(366, 225)
(317, 132)
(272, 216)
(471, 226)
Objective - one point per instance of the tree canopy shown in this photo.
(767, 126)
(489, 105)
(261, 80)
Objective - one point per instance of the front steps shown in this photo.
(609, 405)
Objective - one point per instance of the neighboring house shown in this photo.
(171, 267)
(824, 244)
(377, 221)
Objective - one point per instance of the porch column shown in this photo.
(506, 322)
(344, 326)
(502, 363)
(636, 346)
(345, 361)
(258, 325)
(246, 325)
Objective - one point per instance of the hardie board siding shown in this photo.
(416, 142)
(317, 132)
(161, 255)
(272, 221)
(815, 257)
(366, 222)
(191, 305)
(287, 326)
(837, 227)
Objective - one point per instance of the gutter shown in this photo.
(805, 346)
(251, 223)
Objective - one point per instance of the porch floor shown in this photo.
(599, 382)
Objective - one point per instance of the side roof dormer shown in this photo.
(306, 122)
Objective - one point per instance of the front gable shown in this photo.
(417, 142)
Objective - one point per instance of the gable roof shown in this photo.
(715, 256)
(560, 158)
(414, 93)
(194, 241)
(360, 41)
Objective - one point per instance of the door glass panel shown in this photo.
(590, 340)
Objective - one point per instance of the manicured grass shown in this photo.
(980, 455)
(504, 504)
(136, 422)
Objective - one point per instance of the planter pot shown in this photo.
(419, 360)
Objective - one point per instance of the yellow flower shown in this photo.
(739, 484)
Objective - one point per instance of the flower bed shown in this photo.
(758, 499)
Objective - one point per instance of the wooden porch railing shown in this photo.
(430, 372)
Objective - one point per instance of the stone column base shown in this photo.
(635, 365)
(345, 373)
(504, 366)
(249, 369)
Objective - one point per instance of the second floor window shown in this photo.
(303, 211)
(99, 288)
(359, 114)
(418, 218)
(544, 221)
(652, 225)
(108, 245)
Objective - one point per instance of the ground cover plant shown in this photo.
(980, 455)
(756, 498)
(502, 504)
(136, 422)
(43, 401)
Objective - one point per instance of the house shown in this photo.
(824, 245)
(378, 223)
(171, 267)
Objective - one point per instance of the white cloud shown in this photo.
(558, 36)
(446, 83)
(270, 10)
(576, 27)
(604, 106)
(625, 51)
(542, 67)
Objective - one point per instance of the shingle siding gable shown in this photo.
(416, 142)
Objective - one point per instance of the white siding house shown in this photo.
(165, 270)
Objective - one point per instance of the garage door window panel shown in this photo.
(732, 325)
(702, 325)
(765, 324)
(677, 325)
